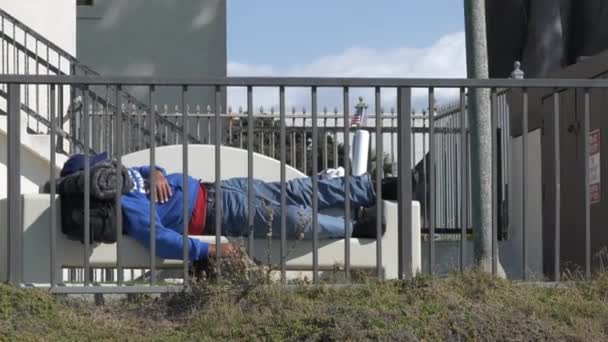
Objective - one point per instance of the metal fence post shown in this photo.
(404, 104)
(15, 233)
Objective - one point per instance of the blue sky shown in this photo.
(285, 32)
(344, 38)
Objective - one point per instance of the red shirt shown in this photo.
(196, 226)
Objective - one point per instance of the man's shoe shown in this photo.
(365, 228)
(390, 188)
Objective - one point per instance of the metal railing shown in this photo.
(404, 128)
(26, 52)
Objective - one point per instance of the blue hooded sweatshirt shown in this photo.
(169, 215)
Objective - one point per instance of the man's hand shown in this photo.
(162, 188)
(227, 250)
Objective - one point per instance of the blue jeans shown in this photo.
(267, 206)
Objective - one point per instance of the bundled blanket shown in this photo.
(106, 177)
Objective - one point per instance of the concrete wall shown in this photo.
(164, 38)
(533, 195)
(511, 251)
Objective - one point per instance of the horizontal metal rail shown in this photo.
(320, 82)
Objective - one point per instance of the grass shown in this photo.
(471, 306)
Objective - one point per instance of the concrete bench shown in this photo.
(36, 226)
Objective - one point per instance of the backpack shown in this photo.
(102, 219)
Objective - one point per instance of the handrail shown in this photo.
(33, 56)
(36, 35)
(77, 66)
(44, 121)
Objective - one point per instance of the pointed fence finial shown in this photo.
(198, 109)
(229, 109)
(293, 110)
(240, 109)
(335, 110)
(517, 72)
(208, 109)
(272, 110)
(261, 109)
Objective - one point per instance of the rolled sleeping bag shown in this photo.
(360, 152)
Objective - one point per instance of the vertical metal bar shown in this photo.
(218, 177)
(432, 158)
(240, 132)
(59, 112)
(4, 57)
(87, 186)
(108, 125)
(37, 85)
(48, 72)
(293, 144)
(413, 149)
(152, 181)
(379, 175)
(392, 136)
(272, 138)
(250, 194)
(15, 246)
(118, 157)
(26, 71)
(347, 209)
(71, 107)
(325, 156)
(463, 188)
(404, 138)
(586, 149)
(304, 142)
(494, 183)
(557, 155)
(336, 159)
(315, 189)
(53, 239)
(262, 136)
(186, 205)
(524, 168)
(94, 121)
(140, 130)
(283, 187)
(15, 56)
(125, 123)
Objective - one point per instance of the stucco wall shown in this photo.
(163, 38)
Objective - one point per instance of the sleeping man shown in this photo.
(169, 193)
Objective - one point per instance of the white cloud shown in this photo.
(444, 59)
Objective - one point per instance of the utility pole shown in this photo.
(481, 133)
